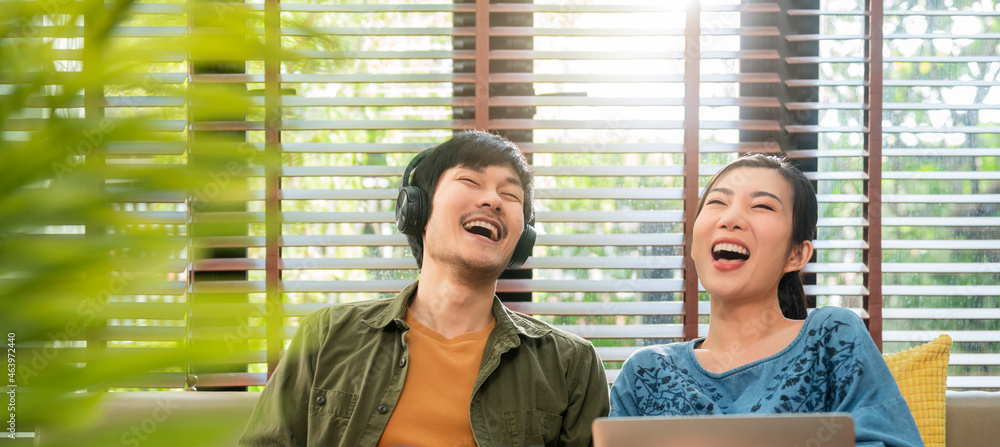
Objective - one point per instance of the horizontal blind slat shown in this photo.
(956, 336)
(601, 308)
(941, 221)
(973, 382)
(548, 262)
(625, 331)
(392, 286)
(941, 198)
(940, 314)
(941, 267)
(394, 240)
(935, 290)
(941, 244)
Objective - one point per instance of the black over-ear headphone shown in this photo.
(413, 209)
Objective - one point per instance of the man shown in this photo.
(444, 363)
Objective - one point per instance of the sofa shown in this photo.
(217, 419)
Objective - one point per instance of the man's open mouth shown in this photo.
(730, 252)
(484, 229)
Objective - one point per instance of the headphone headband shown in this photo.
(409, 168)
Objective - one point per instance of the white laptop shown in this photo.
(770, 430)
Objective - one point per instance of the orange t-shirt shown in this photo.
(433, 409)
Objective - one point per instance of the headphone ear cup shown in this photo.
(523, 248)
(411, 210)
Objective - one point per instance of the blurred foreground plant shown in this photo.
(71, 243)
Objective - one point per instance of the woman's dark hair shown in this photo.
(474, 150)
(805, 212)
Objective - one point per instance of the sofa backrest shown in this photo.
(159, 418)
(217, 419)
(972, 418)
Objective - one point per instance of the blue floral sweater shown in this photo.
(831, 366)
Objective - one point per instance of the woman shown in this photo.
(752, 235)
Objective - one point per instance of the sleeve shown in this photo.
(623, 399)
(589, 400)
(869, 393)
(281, 415)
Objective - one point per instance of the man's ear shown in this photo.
(799, 257)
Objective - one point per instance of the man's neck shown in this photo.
(446, 304)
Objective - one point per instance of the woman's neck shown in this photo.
(744, 332)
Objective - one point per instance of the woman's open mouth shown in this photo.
(728, 256)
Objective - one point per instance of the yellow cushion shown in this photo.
(921, 373)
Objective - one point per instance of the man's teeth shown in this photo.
(730, 247)
(493, 230)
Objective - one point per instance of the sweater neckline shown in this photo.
(689, 351)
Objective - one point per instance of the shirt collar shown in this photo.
(395, 311)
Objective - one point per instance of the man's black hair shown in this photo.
(474, 150)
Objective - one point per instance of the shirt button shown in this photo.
(402, 362)
(320, 400)
(382, 409)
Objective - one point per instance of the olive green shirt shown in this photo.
(343, 373)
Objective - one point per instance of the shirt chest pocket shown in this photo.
(530, 428)
(332, 403)
(329, 415)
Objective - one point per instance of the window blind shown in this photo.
(104, 115)
(624, 110)
(905, 103)
(940, 174)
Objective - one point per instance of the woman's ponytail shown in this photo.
(792, 296)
